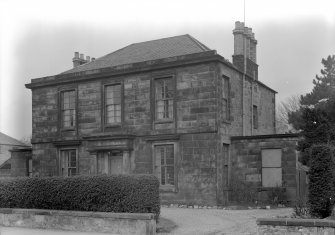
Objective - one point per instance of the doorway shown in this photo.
(110, 162)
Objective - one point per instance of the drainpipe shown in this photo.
(243, 80)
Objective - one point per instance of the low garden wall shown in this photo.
(287, 226)
(79, 221)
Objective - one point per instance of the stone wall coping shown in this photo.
(296, 222)
(293, 135)
(135, 216)
(21, 149)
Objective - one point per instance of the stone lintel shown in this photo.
(67, 142)
(162, 137)
(265, 136)
(95, 149)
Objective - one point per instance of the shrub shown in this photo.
(241, 191)
(320, 181)
(301, 210)
(120, 193)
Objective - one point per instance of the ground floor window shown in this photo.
(164, 155)
(110, 162)
(69, 162)
(271, 167)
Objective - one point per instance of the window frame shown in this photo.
(61, 162)
(104, 124)
(61, 108)
(267, 167)
(173, 99)
(171, 188)
(225, 98)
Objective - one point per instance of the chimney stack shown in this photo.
(79, 59)
(245, 46)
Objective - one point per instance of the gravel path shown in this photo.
(218, 222)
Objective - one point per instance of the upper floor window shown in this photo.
(113, 104)
(255, 116)
(69, 109)
(164, 96)
(69, 165)
(225, 98)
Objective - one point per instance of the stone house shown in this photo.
(170, 107)
(7, 145)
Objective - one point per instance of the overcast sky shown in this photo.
(39, 37)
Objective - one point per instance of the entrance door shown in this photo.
(110, 162)
(115, 162)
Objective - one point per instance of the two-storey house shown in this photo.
(168, 107)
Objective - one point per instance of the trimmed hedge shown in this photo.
(119, 193)
(321, 181)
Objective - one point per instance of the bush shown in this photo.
(120, 193)
(301, 210)
(242, 192)
(320, 181)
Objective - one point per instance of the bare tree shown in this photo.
(285, 107)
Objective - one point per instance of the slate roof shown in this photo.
(7, 140)
(6, 165)
(145, 51)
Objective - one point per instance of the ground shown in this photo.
(217, 221)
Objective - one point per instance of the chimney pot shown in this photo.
(82, 56)
(76, 54)
(88, 58)
(93, 59)
(245, 47)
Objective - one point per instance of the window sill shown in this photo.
(166, 189)
(113, 125)
(163, 121)
(226, 121)
(281, 188)
(68, 129)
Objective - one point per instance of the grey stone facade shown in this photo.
(189, 150)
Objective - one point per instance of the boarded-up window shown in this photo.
(113, 104)
(165, 163)
(164, 95)
(225, 98)
(69, 164)
(271, 167)
(68, 109)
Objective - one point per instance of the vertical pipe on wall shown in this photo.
(243, 82)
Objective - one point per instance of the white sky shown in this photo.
(38, 38)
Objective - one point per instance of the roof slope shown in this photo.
(6, 165)
(7, 140)
(145, 51)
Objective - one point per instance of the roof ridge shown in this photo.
(159, 39)
(157, 48)
(202, 46)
